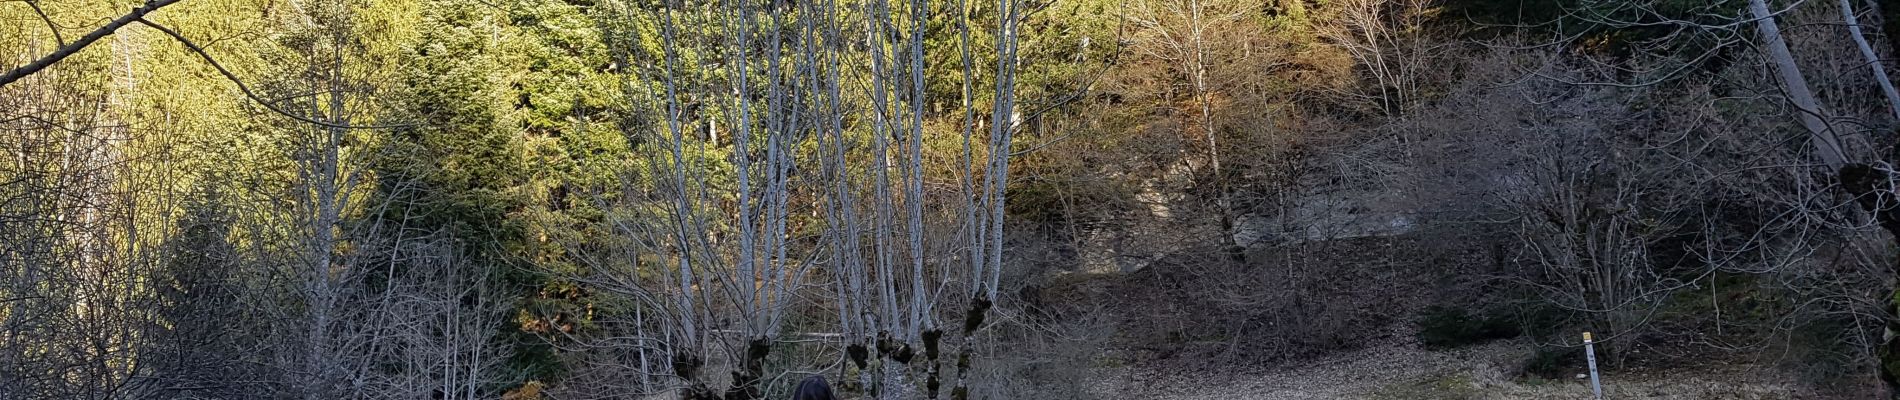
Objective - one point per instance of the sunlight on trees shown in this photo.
(927, 198)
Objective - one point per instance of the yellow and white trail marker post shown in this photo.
(1590, 353)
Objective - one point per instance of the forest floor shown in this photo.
(1480, 372)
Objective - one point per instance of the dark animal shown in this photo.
(814, 388)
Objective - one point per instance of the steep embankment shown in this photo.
(1196, 310)
(1404, 372)
(1333, 320)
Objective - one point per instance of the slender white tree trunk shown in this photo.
(1873, 60)
(1827, 144)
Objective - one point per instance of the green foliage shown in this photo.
(529, 126)
(516, 140)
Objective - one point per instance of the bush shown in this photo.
(1554, 362)
(1821, 355)
(1442, 327)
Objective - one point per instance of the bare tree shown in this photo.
(1390, 41)
(1830, 129)
(1191, 40)
(76, 207)
(735, 265)
(68, 49)
(1873, 60)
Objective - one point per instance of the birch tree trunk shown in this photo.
(1871, 186)
(1827, 143)
(872, 192)
(1873, 59)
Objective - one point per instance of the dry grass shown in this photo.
(1485, 372)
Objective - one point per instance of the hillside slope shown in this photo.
(1406, 372)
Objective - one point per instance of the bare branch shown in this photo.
(247, 89)
(73, 48)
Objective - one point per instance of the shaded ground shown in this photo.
(1481, 372)
(1342, 315)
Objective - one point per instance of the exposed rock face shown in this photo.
(1167, 219)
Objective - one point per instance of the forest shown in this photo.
(949, 199)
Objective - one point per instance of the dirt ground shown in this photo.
(1481, 372)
